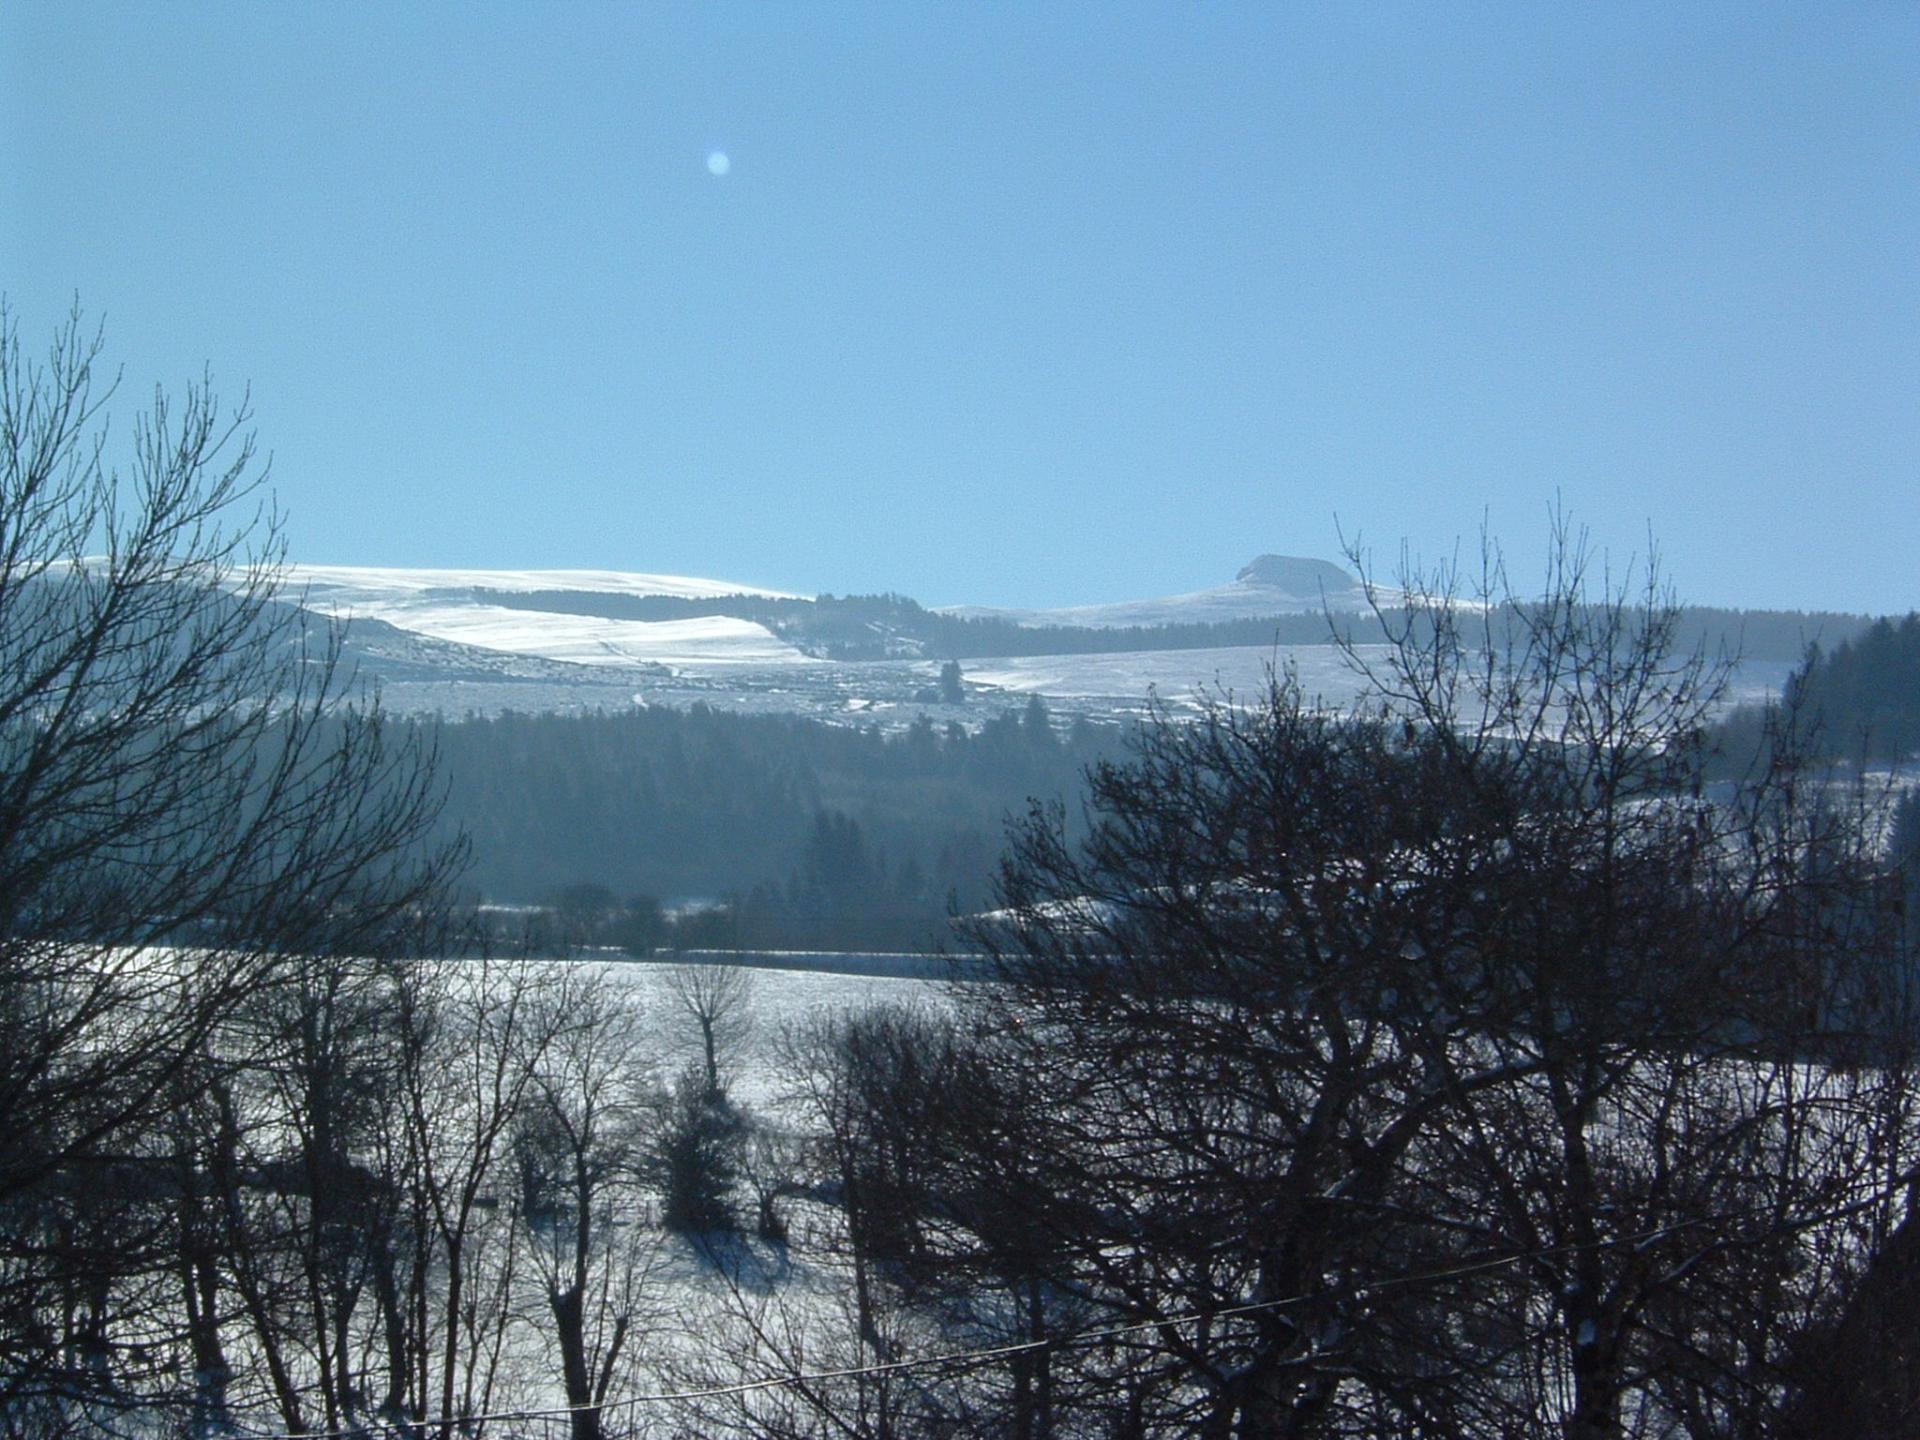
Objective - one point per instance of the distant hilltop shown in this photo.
(1297, 577)
(1266, 585)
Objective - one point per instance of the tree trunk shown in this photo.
(393, 1325)
(1596, 1389)
(200, 1287)
(569, 1322)
(240, 1250)
(450, 1357)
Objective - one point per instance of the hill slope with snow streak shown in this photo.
(443, 605)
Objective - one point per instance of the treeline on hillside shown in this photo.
(1762, 634)
(815, 835)
(876, 627)
(873, 627)
(1860, 699)
(1866, 690)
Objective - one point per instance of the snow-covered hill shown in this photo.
(462, 607)
(1268, 585)
(484, 641)
(460, 641)
(451, 605)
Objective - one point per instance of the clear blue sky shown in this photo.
(1018, 304)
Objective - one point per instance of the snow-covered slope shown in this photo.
(455, 606)
(1178, 677)
(444, 605)
(466, 639)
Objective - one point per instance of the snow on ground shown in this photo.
(439, 604)
(1754, 682)
(741, 664)
(1178, 676)
(1181, 677)
(780, 1000)
(589, 640)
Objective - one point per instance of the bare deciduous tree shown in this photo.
(580, 1144)
(1461, 1064)
(189, 794)
(1695, 995)
(719, 1000)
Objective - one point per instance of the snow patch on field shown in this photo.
(431, 603)
(1176, 675)
(588, 640)
(1182, 677)
(781, 1001)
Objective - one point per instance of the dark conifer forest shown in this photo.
(833, 837)
(1858, 701)
(1864, 693)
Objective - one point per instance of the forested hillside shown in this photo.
(1859, 700)
(837, 835)
(826, 822)
(1865, 692)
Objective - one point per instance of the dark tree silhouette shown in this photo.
(1457, 1065)
(719, 1001)
(189, 797)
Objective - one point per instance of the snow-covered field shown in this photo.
(780, 1001)
(441, 604)
(1177, 676)
(709, 1319)
(1181, 677)
(708, 640)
